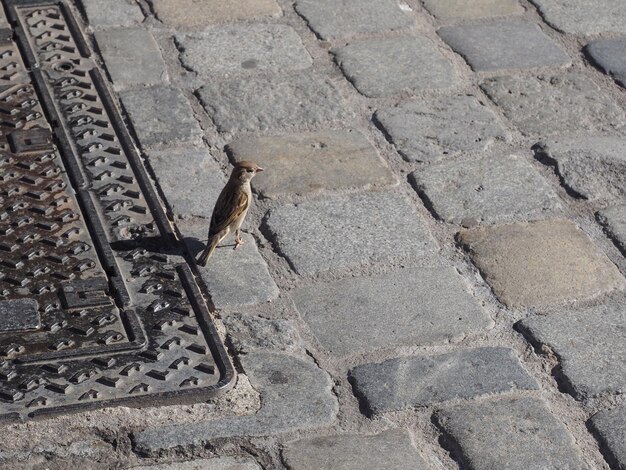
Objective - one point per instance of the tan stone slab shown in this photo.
(198, 13)
(541, 263)
(471, 9)
(310, 162)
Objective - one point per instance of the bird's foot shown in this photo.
(238, 241)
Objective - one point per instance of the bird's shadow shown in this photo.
(192, 245)
(196, 246)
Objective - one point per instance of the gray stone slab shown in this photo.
(199, 13)
(332, 19)
(591, 346)
(251, 333)
(503, 45)
(614, 221)
(511, 433)
(609, 427)
(493, 189)
(247, 48)
(584, 16)
(548, 105)
(384, 67)
(132, 57)
(436, 128)
(109, 13)
(234, 278)
(19, 314)
(409, 382)
(300, 101)
(356, 315)
(592, 167)
(203, 179)
(389, 450)
(161, 115)
(219, 463)
(610, 56)
(541, 263)
(295, 395)
(472, 9)
(310, 162)
(348, 231)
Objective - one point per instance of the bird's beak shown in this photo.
(258, 169)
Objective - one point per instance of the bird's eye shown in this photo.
(249, 171)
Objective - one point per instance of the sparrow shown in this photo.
(231, 208)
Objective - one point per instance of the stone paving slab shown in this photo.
(546, 105)
(584, 16)
(198, 169)
(110, 13)
(198, 13)
(614, 221)
(350, 316)
(610, 56)
(472, 9)
(389, 450)
(234, 278)
(609, 428)
(161, 115)
(495, 189)
(348, 231)
(332, 19)
(295, 394)
(218, 463)
(593, 167)
(295, 102)
(511, 433)
(409, 382)
(553, 262)
(384, 67)
(251, 333)
(310, 162)
(132, 57)
(591, 345)
(437, 128)
(243, 48)
(503, 45)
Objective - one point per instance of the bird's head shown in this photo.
(244, 171)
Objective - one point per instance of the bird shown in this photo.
(231, 208)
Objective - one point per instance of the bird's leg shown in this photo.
(238, 239)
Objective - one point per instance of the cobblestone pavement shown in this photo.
(433, 274)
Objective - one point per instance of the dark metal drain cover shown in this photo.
(97, 304)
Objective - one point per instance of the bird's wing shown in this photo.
(229, 206)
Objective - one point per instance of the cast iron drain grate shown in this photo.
(97, 304)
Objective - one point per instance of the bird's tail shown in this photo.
(208, 251)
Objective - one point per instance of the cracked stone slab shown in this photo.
(161, 115)
(613, 219)
(219, 463)
(610, 56)
(110, 13)
(384, 67)
(243, 48)
(234, 278)
(310, 162)
(251, 333)
(552, 262)
(391, 449)
(295, 395)
(346, 231)
(472, 9)
(355, 315)
(591, 346)
(432, 129)
(132, 57)
(199, 13)
(609, 427)
(201, 173)
(511, 433)
(592, 167)
(503, 45)
(490, 190)
(256, 104)
(409, 382)
(547, 105)
(333, 19)
(584, 17)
